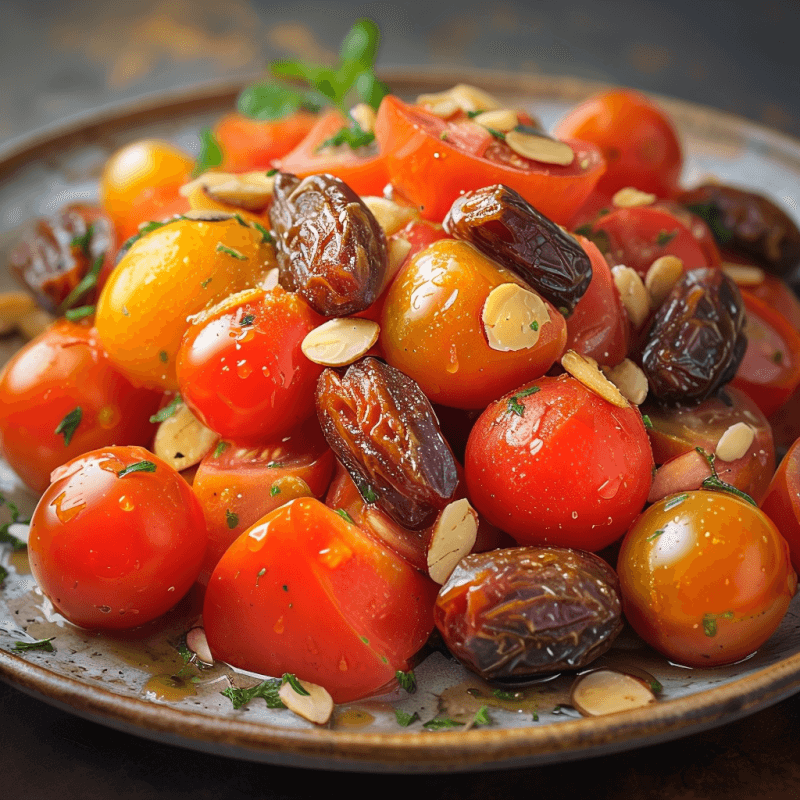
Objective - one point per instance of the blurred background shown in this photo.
(64, 58)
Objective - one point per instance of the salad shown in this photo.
(373, 377)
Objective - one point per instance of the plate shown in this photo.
(135, 682)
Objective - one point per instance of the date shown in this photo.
(525, 611)
(330, 247)
(505, 227)
(383, 429)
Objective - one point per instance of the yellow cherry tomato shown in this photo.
(166, 277)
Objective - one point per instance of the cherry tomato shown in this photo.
(598, 326)
(556, 464)
(362, 169)
(637, 139)
(782, 501)
(305, 591)
(248, 144)
(61, 396)
(431, 328)
(241, 369)
(777, 294)
(117, 538)
(705, 577)
(237, 485)
(431, 161)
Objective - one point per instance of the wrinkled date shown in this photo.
(524, 611)
(59, 252)
(697, 338)
(382, 428)
(330, 247)
(751, 225)
(503, 226)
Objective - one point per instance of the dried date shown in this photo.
(330, 247)
(59, 252)
(524, 611)
(697, 338)
(505, 227)
(383, 429)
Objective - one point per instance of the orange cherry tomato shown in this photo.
(705, 578)
(782, 501)
(307, 592)
(431, 161)
(638, 141)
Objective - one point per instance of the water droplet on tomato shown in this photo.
(108, 416)
(610, 488)
(126, 504)
(66, 514)
(243, 369)
(278, 627)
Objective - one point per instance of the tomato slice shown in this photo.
(363, 169)
(782, 502)
(431, 161)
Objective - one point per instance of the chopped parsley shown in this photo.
(81, 312)
(274, 490)
(162, 356)
(231, 519)
(168, 410)
(675, 501)
(69, 425)
(344, 515)
(247, 319)
(407, 680)
(221, 447)
(292, 680)
(514, 405)
(655, 535)
(210, 153)
(268, 690)
(221, 248)
(367, 492)
(271, 172)
(665, 237)
(500, 694)
(204, 284)
(41, 644)
(240, 219)
(482, 717)
(710, 622)
(648, 423)
(534, 326)
(404, 718)
(352, 135)
(85, 285)
(139, 466)
(266, 236)
(83, 241)
(441, 723)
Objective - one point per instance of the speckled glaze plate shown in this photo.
(129, 682)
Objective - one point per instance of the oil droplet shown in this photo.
(452, 364)
(108, 416)
(126, 504)
(342, 664)
(354, 718)
(335, 555)
(170, 688)
(278, 627)
(66, 514)
(243, 369)
(610, 488)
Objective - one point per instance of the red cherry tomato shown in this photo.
(60, 396)
(307, 592)
(705, 578)
(638, 141)
(363, 169)
(556, 464)
(241, 370)
(777, 294)
(114, 545)
(782, 501)
(431, 161)
(249, 144)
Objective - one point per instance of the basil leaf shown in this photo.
(360, 45)
(370, 90)
(210, 153)
(139, 466)
(69, 425)
(268, 101)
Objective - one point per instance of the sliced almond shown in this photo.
(205, 215)
(340, 341)
(606, 691)
(440, 105)
(316, 706)
(513, 317)
(587, 372)
(630, 197)
(397, 251)
(365, 116)
(743, 274)
(663, 274)
(391, 216)
(182, 440)
(501, 119)
(197, 642)
(251, 191)
(34, 323)
(271, 278)
(735, 442)
(629, 379)
(471, 98)
(540, 148)
(452, 538)
(13, 307)
(633, 294)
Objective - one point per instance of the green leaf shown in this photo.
(441, 723)
(407, 680)
(210, 153)
(514, 406)
(270, 101)
(41, 644)
(353, 135)
(501, 694)
(69, 425)
(139, 466)
(221, 447)
(231, 519)
(274, 490)
(360, 45)
(168, 410)
(404, 718)
(648, 423)
(292, 680)
(344, 515)
(370, 90)
(81, 312)
(268, 690)
(86, 284)
(482, 717)
(247, 319)
(83, 241)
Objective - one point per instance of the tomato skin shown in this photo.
(431, 328)
(249, 381)
(116, 552)
(249, 144)
(638, 141)
(432, 172)
(305, 591)
(365, 174)
(713, 585)
(64, 368)
(571, 471)
(782, 501)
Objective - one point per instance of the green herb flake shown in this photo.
(497, 134)
(260, 574)
(404, 718)
(275, 490)
(271, 172)
(535, 716)
(221, 447)
(268, 690)
(441, 723)
(675, 501)
(292, 680)
(204, 284)
(655, 535)
(69, 425)
(241, 220)
(352, 135)
(162, 356)
(367, 493)
(514, 406)
(266, 236)
(285, 587)
(247, 320)
(210, 153)
(231, 519)
(344, 515)
(584, 230)
(534, 326)
(5, 536)
(710, 622)
(501, 694)
(443, 136)
(83, 241)
(3, 573)
(139, 466)
(482, 717)
(663, 238)
(648, 423)
(777, 357)
(275, 465)
(364, 639)
(41, 644)
(81, 312)
(85, 285)
(407, 680)
(168, 410)
(229, 251)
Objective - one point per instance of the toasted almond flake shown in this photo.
(540, 148)
(34, 323)
(340, 341)
(471, 98)
(735, 442)
(316, 706)
(743, 274)
(391, 216)
(13, 307)
(587, 372)
(633, 293)
(197, 642)
(207, 215)
(452, 538)
(501, 119)
(365, 116)
(397, 251)
(513, 317)
(629, 379)
(606, 691)
(663, 274)
(182, 440)
(251, 191)
(630, 197)
(271, 278)
(440, 105)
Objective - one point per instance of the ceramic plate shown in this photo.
(135, 682)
